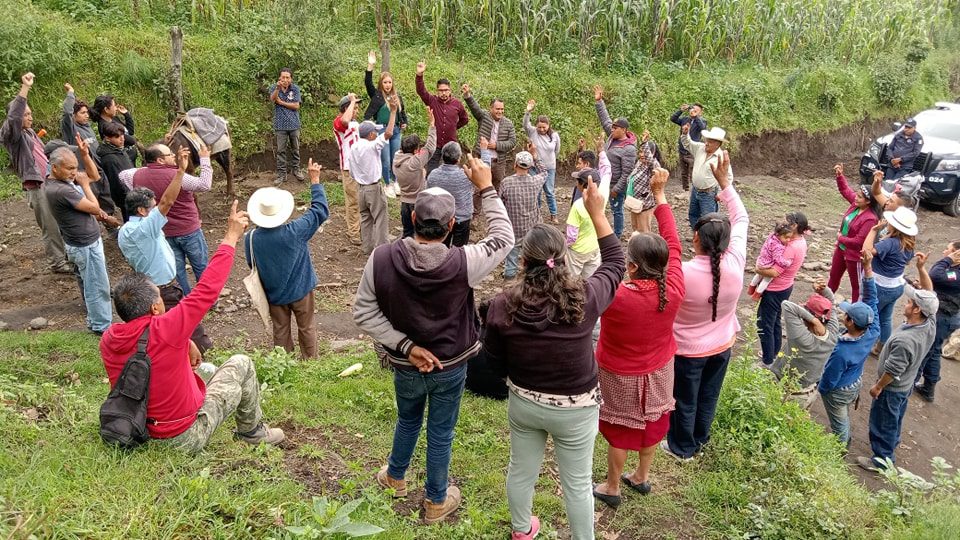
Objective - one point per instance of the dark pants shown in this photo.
(686, 170)
(886, 421)
(460, 234)
(497, 173)
(434, 161)
(118, 192)
(172, 294)
(930, 369)
(616, 208)
(837, 268)
(893, 173)
(406, 218)
(696, 388)
(768, 322)
(102, 191)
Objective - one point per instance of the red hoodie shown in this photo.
(176, 392)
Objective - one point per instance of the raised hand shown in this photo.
(593, 201)
(685, 129)
(393, 103)
(237, 222)
(431, 119)
(313, 169)
(27, 79)
(838, 169)
(658, 182)
(685, 107)
(465, 90)
(421, 67)
(921, 259)
(183, 158)
(877, 176)
(598, 144)
(867, 255)
(68, 87)
(83, 146)
(646, 136)
(597, 92)
(531, 104)
(121, 109)
(722, 170)
(819, 286)
(478, 172)
(204, 150)
(371, 58)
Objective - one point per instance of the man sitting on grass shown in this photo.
(181, 409)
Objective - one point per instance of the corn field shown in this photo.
(691, 31)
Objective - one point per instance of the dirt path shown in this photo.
(27, 290)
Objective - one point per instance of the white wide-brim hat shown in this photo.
(270, 207)
(904, 220)
(716, 134)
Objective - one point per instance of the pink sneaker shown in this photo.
(534, 529)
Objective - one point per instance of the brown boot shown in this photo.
(399, 486)
(438, 511)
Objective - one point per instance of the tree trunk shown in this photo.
(176, 68)
(385, 54)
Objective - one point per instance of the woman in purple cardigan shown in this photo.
(863, 214)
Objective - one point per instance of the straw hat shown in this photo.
(270, 207)
(903, 219)
(716, 134)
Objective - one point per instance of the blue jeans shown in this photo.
(930, 369)
(191, 246)
(701, 203)
(512, 262)
(443, 389)
(768, 322)
(696, 388)
(616, 206)
(548, 189)
(837, 404)
(886, 299)
(387, 153)
(886, 421)
(92, 268)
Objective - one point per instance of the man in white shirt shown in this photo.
(366, 169)
(706, 157)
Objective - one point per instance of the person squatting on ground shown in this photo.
(450, 177)
(860, 217)
(182, 410)
(706, 325)
(780, 288)
(286, 99)
(842, 374)
(281, 252)
(547, 141)
(30, 163)
(694, 118)
(639, 200)
(583, 246)
(447, 110)
(635, 351)
(416, 299)
(945, 275)
(379, 113)
(897, 368)
(890, 258)
(519, 193)
(409, 170)
(78, 215)
(143, 245)
(346, 131)
(621, 148)
(703, 180)
(366, 170)
(539, 335)
(182, 230)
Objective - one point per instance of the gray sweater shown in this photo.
(622, 153)
(506, 135)
(806, 352)
(409, 168)
(904, 352)
(548, 146)
(454, 180)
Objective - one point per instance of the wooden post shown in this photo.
(176, 67)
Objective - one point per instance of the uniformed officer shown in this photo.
(903, 149)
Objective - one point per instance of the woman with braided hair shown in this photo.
(636, 360)
(540, 335)
(706, 325)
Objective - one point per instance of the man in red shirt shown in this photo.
(448, 112)
(182, 410)
(346, 132)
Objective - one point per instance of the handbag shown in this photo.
(255, 287)
(123, 415)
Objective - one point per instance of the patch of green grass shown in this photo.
(334, 192)
(10, 187)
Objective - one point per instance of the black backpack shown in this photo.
(123, 416)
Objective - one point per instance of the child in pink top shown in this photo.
(771, 254)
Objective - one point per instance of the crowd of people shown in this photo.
(560, 342)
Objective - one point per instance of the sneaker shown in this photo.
(665, 446)
(262, 433)
(64, 268)
(396, 188)
(534, 530)
(391, 193)
(278, 181)
(438, 511)
(298, 174)
(867, 464)
(399, 487)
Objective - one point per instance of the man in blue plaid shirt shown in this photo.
(519, 194)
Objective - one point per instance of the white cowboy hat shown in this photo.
(270, 207)
(716, 134)
(904, 220)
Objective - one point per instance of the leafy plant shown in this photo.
(330, 519)
(273, 367)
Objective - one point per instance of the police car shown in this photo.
(938, 164)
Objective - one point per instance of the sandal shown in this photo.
(643, 487)
(613, 501)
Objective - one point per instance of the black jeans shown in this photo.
(406, 218)
(460, 234)
(768, 322)
(696, 387)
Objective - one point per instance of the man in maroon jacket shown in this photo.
(448, 112)
(182, 410)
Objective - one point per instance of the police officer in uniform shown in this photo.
(903, 149)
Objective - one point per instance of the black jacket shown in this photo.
(377, 101)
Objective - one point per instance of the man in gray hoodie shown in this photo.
(621, 150)
(416, 299)
(812, 332)
(409, 168)
(897, 368)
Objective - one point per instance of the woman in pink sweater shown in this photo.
(706, 325)
(636, 360)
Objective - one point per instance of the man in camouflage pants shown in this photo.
(182, 409)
